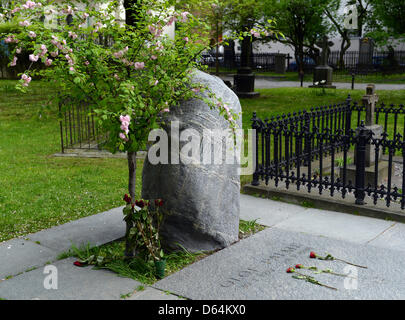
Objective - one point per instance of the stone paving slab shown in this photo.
(255, 268)
(336, 225)
(320, 222)
(153, 294)
(268, 212)
(96, 230)
(392, 238)
(18, 255)
(74, 283)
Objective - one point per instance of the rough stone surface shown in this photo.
(318, 222)
(255, 268)
(73, 283)
(203, 199)
(18, 255)
(94, 230)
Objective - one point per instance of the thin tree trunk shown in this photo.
(131, 156)
(132, 174)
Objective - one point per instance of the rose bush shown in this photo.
(129, 74)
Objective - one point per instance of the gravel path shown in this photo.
(262, 83)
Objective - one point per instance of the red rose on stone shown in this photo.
(127, 198)
(299, 266)
(290, 270)
(159, 202)
(78, 264)
(312, 255)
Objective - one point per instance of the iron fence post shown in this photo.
(61, 127)
(256, 127)
(353, 78)
(348, 119)
(307, 141)
(362, 138)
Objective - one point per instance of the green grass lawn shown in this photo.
(38, 191)
(273, 102)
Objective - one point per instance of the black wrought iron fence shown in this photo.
(303, 150)
(78, 128)
(259, 61)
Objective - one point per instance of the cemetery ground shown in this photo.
(39, 191)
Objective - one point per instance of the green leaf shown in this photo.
(100, 260)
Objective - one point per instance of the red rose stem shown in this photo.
(356, 265)
(317, 282)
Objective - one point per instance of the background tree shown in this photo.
(386, 20)
(337, 20)
(303, 23)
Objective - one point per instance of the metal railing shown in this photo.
(78, 128)
(299, 150)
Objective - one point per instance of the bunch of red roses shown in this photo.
(142, 203)
(313, 255)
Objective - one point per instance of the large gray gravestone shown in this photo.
(366, 51)
(202, 198)
(255, 268)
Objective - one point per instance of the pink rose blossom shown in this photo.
(33, 58)
(30, 5)
(139, 65)
(48, 62)
(54, 53)
(153, 57)
(32, 34)
(152, 30)
(86, 63)
(18, 50)
(26, 80)
(171, 20)
(14, 62)
(166, 110)
(126, 118)
(123, 136)
(184, 16)
(255, 33)
(25, 23)
(72, 35)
